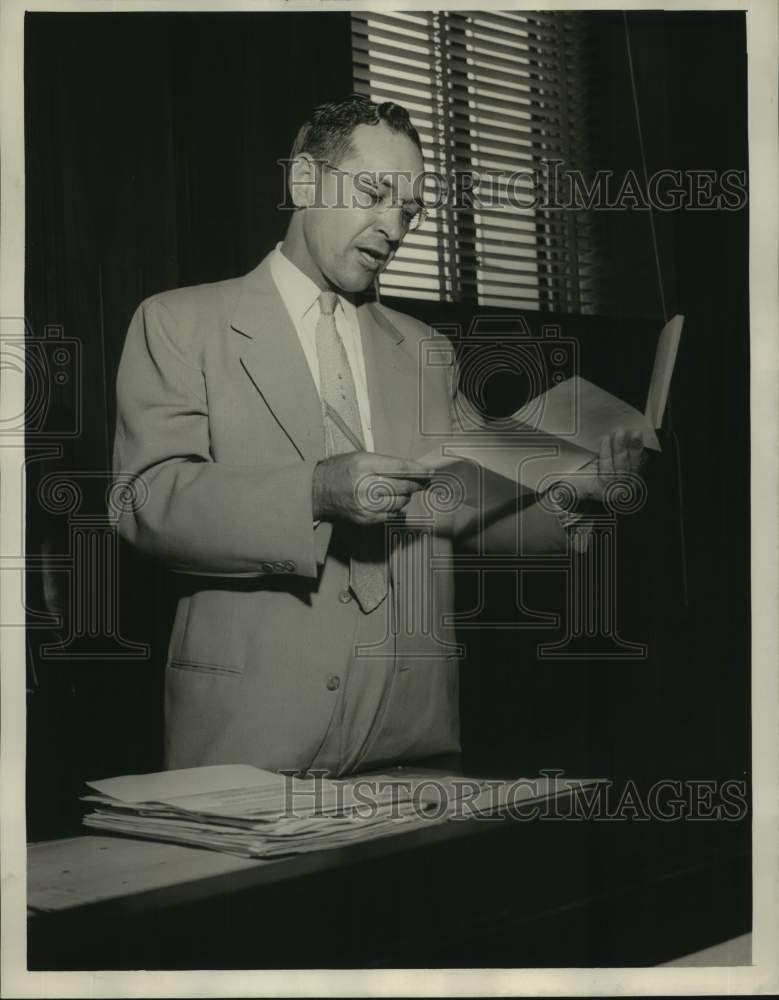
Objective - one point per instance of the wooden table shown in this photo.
(501, 893)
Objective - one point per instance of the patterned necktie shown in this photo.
(343, 433)
(343, 427)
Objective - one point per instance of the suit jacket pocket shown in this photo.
(205, 668)
(214, 632)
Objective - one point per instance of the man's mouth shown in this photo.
(373, 259)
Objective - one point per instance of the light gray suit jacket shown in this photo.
(219, 423)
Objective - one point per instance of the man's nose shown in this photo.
(390, 224)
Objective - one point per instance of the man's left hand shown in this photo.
(620, 456)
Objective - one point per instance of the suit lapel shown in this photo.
(274, 362)
(392, 383)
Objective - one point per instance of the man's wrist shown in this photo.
(567, 496)
(584, 505)
(574, 512)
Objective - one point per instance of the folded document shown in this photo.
(555, 435)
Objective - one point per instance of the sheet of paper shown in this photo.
(307, 796)
(494, 468)
(496, 797)
(581, 413)
(207, 792)
(164, 785)
(663, 369)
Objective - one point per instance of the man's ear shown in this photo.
(303, 180)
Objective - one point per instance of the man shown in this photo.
(258, 418)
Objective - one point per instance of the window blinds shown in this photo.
(498, 98)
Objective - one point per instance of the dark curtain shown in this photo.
(151, 149)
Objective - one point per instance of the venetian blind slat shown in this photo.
(493, 94)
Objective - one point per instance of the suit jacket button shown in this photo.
(280, 567)
(344, 596)
(267, 567)
(333, 682)
(289, 566)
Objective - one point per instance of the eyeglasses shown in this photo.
(412, 214)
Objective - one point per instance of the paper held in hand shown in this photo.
(555, 434)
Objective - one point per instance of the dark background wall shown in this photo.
(151, 143)
(151, 149)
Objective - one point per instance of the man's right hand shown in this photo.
(365, 488)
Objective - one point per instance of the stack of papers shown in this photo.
(239, 809)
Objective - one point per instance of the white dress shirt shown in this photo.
(299, 295)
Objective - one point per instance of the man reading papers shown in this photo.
(259, 418)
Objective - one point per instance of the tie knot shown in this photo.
(327, 302)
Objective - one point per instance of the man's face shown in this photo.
(348, 242)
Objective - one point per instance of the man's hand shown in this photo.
(620, 456)
(365, 488)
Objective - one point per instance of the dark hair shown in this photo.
(328, 132)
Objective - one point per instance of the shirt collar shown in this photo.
(298, 291)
